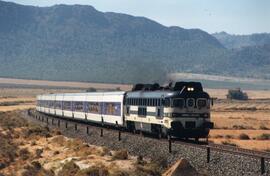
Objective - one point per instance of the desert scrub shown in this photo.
(10, 120)
(227, 136)
(39, 152)
(244, 136)
(69, 169)
(24, 154)
(264, 136)
(36, 130)
(35, 168)
(7, 150)
(96, 170)
(120, 155)
(229, 143)
(262, 127)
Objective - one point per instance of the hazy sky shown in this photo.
(232, 16)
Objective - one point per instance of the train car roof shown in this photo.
(87, 94)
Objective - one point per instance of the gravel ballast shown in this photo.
(221, 164)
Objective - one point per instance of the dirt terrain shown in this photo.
(242, 123)
(28, 149)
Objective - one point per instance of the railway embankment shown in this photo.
(217, 163)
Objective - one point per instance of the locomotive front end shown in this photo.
(188, 111)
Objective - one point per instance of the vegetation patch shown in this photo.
(36, 130)
(229, 143)
(10, 120)
(69, 169)
(7, 151)
(96, 170)
(264, 136)
(244, 136)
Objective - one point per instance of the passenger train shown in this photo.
(180, 110)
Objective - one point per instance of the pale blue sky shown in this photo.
(232, 16)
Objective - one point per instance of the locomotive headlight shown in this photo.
(190, 89)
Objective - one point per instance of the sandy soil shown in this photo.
(232, 118)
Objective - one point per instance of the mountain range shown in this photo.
(79, 43)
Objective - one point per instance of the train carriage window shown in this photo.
(78, 106)
(51, 104)
(112, 108)
(178, 102)
(58, 105)
(67, 105)
(94, 107)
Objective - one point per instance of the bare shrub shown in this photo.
(56, 152)
(218, 136)
(262, 127)
(229, 143)
(36, 130)
(228, 136)
(10, 120)
(33, 143)
(239, 127)
(96, 170)
(140, 160)
(35, 168)
(24, 154)
(120, 155)
(7, 150)
(264, 136)
(69, 169)
(244, 136)
(39, 152)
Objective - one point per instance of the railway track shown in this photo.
(208, 147)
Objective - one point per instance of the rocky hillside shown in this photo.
(79, 43)
(238, 41)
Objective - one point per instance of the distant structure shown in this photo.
(91, 89)
(237, 94)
